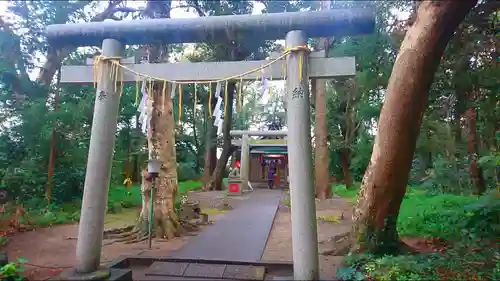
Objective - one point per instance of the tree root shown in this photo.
(130, 237)
(124, 234)
(341, 245)
(171, 227)
(118, 230)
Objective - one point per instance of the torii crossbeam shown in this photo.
(295, 27)
(319, 67)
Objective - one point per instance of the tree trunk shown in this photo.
(52, 151)
(195, 138)
(475, 172)
(385, 179)
(210, 156)
(161, 144)
(216, 180)
(322, 186)
(126, 165)
(136, 167)
(323, 189)
(345, 155)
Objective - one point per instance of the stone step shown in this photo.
(211, 271)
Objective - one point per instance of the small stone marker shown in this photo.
(234, 187)
(205, 270)
(244, 272)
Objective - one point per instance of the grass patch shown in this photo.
(470, 224)
(340, 190)
(213, 211)
(330, 219)
(39, 214)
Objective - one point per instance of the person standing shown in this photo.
(271, 170)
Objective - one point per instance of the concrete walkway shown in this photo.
(240, 235)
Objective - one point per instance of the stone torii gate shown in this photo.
(245, 154)
(297, 27)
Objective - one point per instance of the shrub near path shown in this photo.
(456, 238)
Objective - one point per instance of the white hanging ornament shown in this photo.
(172, 93)
(218, 106)
(219, 126)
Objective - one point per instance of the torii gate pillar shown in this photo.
(303, 204)
(102, 144)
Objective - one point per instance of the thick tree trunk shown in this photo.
(216, 180)
(161, 144)
(475, 172)
(385, 179)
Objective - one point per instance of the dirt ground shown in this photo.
(279, 244)
(52, 250)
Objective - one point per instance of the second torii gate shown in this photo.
(297, 26)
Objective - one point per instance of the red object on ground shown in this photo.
(275, 179)
(233, 187)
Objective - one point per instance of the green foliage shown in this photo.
(40, 215)
(461, 262)
(13, 270)
(340, 190)
(470, 224)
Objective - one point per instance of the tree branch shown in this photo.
(55, 57)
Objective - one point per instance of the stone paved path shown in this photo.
(240, 235)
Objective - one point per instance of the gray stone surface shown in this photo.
(203, 71)
(240, 235)
(244, 272)
(338, 22)
(205, 270)
(167, 268)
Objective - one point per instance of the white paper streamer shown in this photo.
(218, 106)
(264, 85)
(145, 109)
(172, 93)
(218, 88)
(219, 127)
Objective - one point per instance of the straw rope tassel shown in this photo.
(136, 90)
(122, 81)
(210, 99)
(180, 103)
(163, 94)
(111, 72)
(300, 67)
(240, 86)
(94, 72)
(115, 75)
(284, 74)
(225, 101)
(150, 90)
(195, 100)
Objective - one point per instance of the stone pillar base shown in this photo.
(73, 275)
